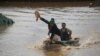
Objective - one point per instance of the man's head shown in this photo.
(63, 25)
(52, 21)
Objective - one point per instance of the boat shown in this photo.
(72, 42)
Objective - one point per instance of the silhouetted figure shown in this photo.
(53, 29)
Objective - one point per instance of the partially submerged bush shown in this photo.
(5, 21)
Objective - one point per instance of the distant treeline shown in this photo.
(43, 0)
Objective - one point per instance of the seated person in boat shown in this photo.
(65, 33)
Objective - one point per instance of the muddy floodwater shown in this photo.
(25, 37)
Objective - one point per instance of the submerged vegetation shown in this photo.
(5, 21)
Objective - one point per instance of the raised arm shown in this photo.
(44, 20)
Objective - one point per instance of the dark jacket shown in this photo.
(54, 29)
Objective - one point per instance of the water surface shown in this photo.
(26, 36)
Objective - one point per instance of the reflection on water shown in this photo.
(52, 50)
(2, 28)
(26, 36)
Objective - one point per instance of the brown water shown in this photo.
(26, 36)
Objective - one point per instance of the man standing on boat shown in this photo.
(53, 29)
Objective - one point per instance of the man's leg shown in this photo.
(51, 37)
